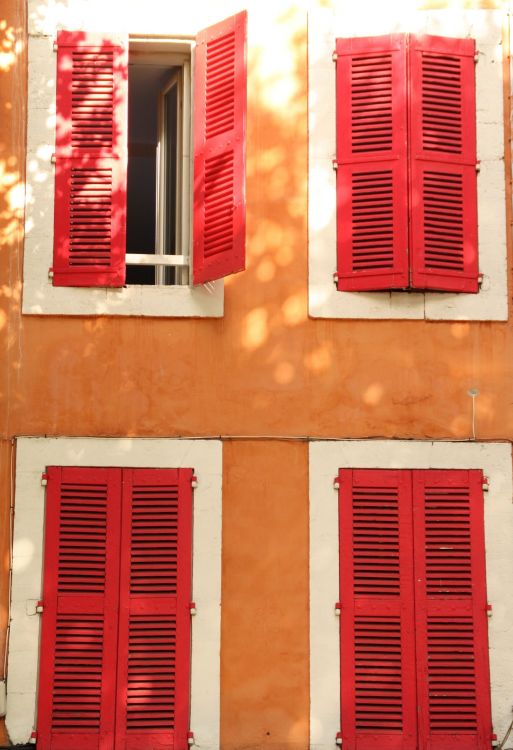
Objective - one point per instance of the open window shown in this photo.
(134, 134)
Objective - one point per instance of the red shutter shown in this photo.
(443, 186)
(219, 150)
(154, 625)
(80, 591)
(450, 602)
(90, 170)
(377, 651)
(372, 209)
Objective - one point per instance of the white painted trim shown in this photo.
(491, 303)
(32, 456)
(326, 458)
(39, 296)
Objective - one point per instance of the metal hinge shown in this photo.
(478, 166)
(190, 738)
(44, 479)
(338, 609)
(33, 738)
(488, 610)
(486, 484)
(480, 278)
(194, 481)
(335, 278)
(336, 483)
(50, 273)
(476, 57)
(192, 608)
(40, 608)
(495, 741)
(334, 56)
(334, 164)
(338, 739)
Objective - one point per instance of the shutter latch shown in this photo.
(194, 481)
(190, 738)
(338, 739)
(338, 608)
(192, 608)
(44, 479)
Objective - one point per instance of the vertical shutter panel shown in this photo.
(376, 594)
(154, 625)
(219, 150)
(80, 589)
(443, 188)
(450, 600)
(372, 210)
(90, 170)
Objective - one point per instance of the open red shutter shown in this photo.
(219, 150)
(377, 650)
(79, 622)
(154, 625)
(450, 600)
(372, 210)
(443, 186)
(90, 169)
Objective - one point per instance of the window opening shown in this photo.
(158, 167)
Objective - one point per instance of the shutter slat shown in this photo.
(376, 593)
(443, 186)
(80, 591)
(450, 601)
(219, 150)
(154, 628)
(90, 171)
(372, 218)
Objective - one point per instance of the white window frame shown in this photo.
(40, 297)
(325, 301)
(326, 458)
(33, 455)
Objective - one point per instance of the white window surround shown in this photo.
(486, 27)
(40, 297)
(32, 456)
(326, 458)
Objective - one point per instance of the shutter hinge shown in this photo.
(488, 610)
(40, 608)
(480, 278)
(334, 164)
(53, 158)
(33, 738)
(486, 484)
(192, 608)
(50, 273)
(335, 278)
(194, 481)
(476, 57)
(478, 165)
(190, 738)
(336, 483)
(495, 741)
(338, 739)
(55, 45)
(44, 479)
(338, 609)
(334, 56)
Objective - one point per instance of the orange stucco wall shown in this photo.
(265, 369)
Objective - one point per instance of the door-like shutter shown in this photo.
(79, 623)
(154, 625)
(220, 150)
(372, 208)
(450, 602)
(91, 161)
(443, 184)
(377, 646)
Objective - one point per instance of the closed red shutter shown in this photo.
(154, 625)
(90, 169)
(372, 208)
(450, 602)
(443, 184)
(377, 649)
(219, 150)
(79, 624)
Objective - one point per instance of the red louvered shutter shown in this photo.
(443, 181)
(377, 650)
(154, 626)
(372, 208)
(219, 150)
(91, 161)
(79, 624)
(450, 602)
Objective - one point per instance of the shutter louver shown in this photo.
(154, 628)
(80, 589)
(450, 602)
(90, 171)
(372, 212)
(376, 593)
(443, 183)
(219, 150)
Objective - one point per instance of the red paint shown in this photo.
(91, 161)
(219, 150)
